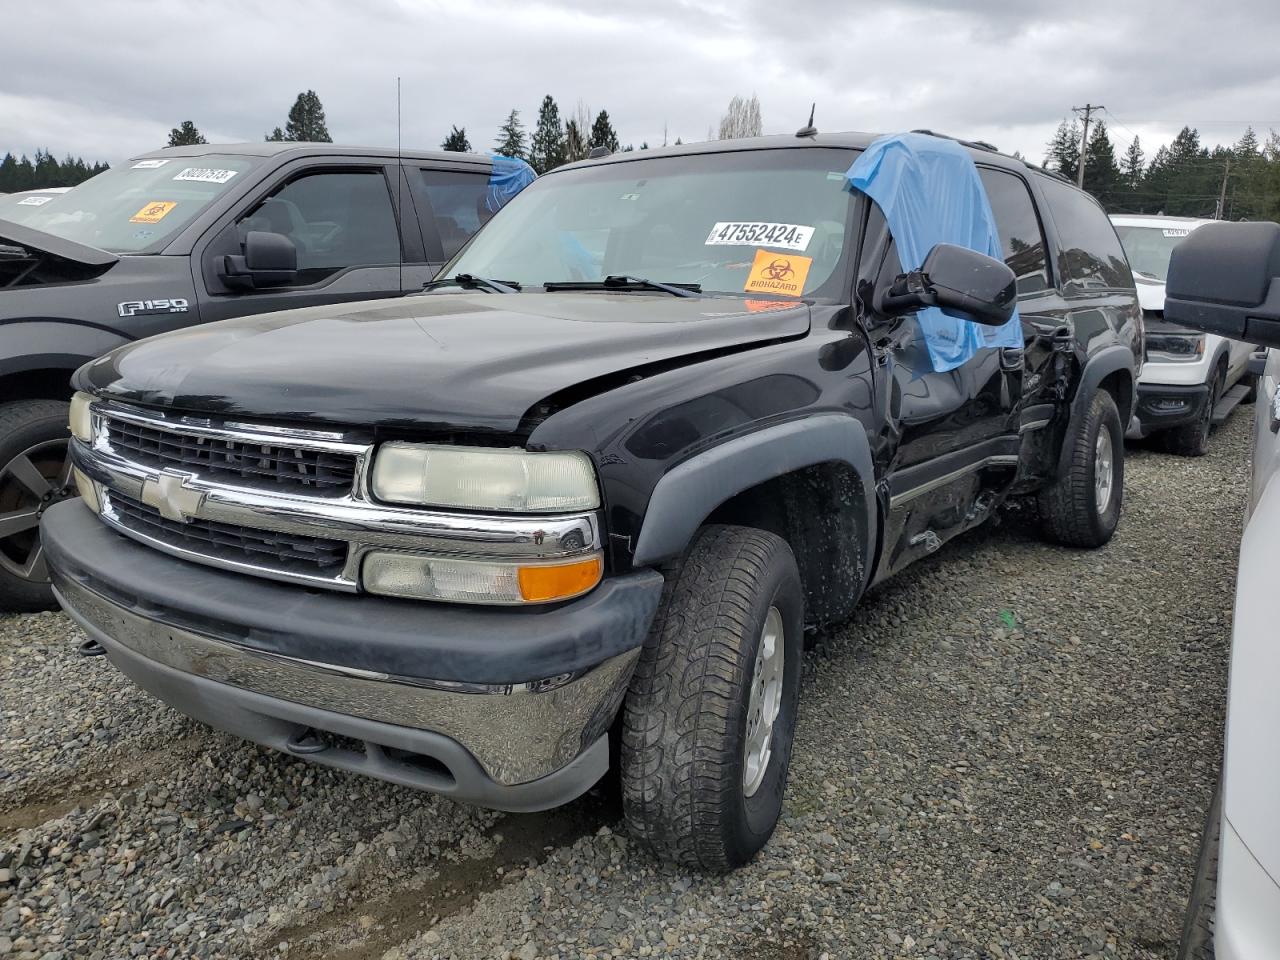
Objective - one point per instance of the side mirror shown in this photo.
(961, 282)
(269, 260)
(1225, 279)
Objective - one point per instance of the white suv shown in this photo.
(1190, 381)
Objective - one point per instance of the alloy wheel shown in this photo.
(765, 702)
(30, 483)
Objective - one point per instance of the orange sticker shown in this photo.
(153, 212)
(783, 273)
(760, 306)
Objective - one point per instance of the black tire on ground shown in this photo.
(1192, 439)
(1069, 510)
(26, 425)
(685, 719)
(1197, 925)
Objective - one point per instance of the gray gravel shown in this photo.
(1007, 754)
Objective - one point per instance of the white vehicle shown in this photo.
(1211, 276)
(1190, 381)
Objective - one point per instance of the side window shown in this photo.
(457, 202)
(336, 219)
(1020, 234)
(1091, 256)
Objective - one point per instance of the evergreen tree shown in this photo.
(1131, 166)
(275, 136)
(306, 123)
(457, 141)
(602, 133)
(21, 174)
(511, 137)
(1062, 153)
(546, 149)
(185, 135)
(1101, 172)
(1247, 147)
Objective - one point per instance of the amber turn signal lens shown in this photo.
(543, 583)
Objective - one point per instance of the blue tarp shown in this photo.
(508, 178)
(931, 193)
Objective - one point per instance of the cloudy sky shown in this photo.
(107, 78)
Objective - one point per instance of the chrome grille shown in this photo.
(284, 553)
(274, 465)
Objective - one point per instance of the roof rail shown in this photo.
(976, 144)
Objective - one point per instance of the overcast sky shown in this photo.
(106, 79)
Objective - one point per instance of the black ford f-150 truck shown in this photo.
(179, 236)
(665, 412)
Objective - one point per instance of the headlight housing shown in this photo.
(479, 478)
(421, 577)
(81, 418)
(1176, 347)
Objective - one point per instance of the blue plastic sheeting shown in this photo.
(930, 193)
(508, 178)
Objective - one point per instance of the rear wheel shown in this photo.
(710, 715)
(35, 473)
(1082, 508)
(1192, 439)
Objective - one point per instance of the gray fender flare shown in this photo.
(1100, 366)
(690, 491)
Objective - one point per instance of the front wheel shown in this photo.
(1082, 508)
(710, 715)
(1192, 439)
(35, 472)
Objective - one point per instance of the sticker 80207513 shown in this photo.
(34, 201)
(153, 212)
(151, 164)
(789, 236)
(205, 175)
(778, 273)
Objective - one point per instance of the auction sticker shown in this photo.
(205, 175)
(1176, 232)
(153, 212)
(34, 201)
(151, 164)
(778, 273)
(789, 236)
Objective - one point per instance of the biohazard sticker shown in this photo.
(151, 164)
(153, 212)
(789, 236)
(783, 273)
(34, 201)
(1176, 232)
(205, 175)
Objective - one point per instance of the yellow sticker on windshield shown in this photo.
(154, 211)
(778, 273)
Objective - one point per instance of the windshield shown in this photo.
(1149, 248)
(762, 222)
(133, 208)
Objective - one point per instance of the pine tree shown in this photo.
(546, 149)
(1247, 146)
(1131, 166)
(602, 133)
(511, 137)
(457, 141)
(185, 135)
(306, 123)
(1062, 153)
(1101, 172)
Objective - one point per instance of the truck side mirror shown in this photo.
(1225, 279)
(961, 282)
(269, 260)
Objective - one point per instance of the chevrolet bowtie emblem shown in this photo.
(168, 494)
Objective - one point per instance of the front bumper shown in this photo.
(504, 708)
(1246, 924)
(1161, 406)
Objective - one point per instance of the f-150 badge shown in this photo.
(138, 308)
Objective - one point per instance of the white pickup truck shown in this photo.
(1191, 380)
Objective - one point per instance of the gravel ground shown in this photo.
(1007, 754)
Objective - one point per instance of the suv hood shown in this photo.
(460, 361)
(1150, 292)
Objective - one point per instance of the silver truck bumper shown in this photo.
(521, 746)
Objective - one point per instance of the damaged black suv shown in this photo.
(665, 412)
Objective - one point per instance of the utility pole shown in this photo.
(1221, 212)
(1087, 111)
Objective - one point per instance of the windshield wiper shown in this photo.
(626, 283)
(468, 281)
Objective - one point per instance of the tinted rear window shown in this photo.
(1090, 257)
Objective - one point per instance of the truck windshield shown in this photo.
(136, 207)
(1149, 248)
(754, 222)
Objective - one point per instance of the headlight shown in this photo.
(479, 581)
(81, 419)
(1175, 346)
(474, 478)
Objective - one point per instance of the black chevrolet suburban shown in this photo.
(668, 411)
(181, 236)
